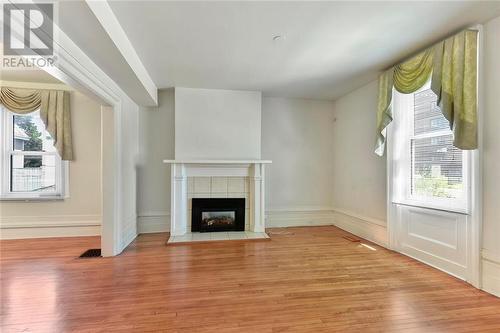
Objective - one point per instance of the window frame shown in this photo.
(61, 191)
(404, 111)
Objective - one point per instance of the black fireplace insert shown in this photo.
(218, 214)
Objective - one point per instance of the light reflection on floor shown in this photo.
(21, 293)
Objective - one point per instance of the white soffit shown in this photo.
(81, 25)
(107, 18)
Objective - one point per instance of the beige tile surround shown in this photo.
(218, 187)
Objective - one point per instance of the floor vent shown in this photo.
(280, 232)
(352, 239)
(92, 253)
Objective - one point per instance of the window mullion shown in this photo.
(31, 153)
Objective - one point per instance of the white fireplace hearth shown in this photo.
(217, 179)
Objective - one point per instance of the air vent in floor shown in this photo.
(91, 253)
(352, 238)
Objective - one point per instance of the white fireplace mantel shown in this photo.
(182, 169)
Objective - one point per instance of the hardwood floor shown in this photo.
(304, 280)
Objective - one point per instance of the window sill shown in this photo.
(30, 199)
(456, 210)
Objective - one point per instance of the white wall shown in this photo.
(80, 214)
(359, 176)
(297, 137)
(156, 128)
(120, 153)
(491, 163)
(217, 124)
(129, 137)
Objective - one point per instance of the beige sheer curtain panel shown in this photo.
(452, 64)
(54, 111)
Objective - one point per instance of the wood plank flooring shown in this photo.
(304, 280)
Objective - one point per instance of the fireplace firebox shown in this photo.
(217, 214)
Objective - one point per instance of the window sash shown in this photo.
(405, 132)
(460, 204)
(457, 203)
(7, 152)
(58, 175)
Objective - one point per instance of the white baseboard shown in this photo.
(491, 273)
(19, 227)
(151, 222)
(129, 233)
(365, 227)
(299, 217)
(370, 229)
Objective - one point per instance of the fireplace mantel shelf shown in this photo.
(217, 161)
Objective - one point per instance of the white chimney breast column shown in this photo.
(257, 203)
(178, 200)
(217, 124)
(217, 134)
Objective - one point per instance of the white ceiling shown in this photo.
(329, 48)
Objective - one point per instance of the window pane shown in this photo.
(436, 168)
(30, 134)
(33, 173)
(428, 116)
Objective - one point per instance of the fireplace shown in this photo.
(245, 179)
(218, 214)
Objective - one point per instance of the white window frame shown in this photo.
(403, 182)
(7, 150)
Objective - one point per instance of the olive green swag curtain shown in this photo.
(54, 111)
(453, 66)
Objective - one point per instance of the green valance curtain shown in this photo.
(452, 64)
(54, 111)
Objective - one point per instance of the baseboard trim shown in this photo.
(152, 222)
(299, 209)
(19, 227)
(130, 232)
(489, 256)
(491, 273)
(364, 218)
(368, 228)
(299, 217)
(13, 222)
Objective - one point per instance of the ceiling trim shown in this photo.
(35, 85)
(111, 25)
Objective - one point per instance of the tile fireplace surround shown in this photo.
(216, 179)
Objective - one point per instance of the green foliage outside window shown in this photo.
(435, 186)
(34, 143)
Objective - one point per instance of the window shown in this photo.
(31, 166)
(433, 173)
